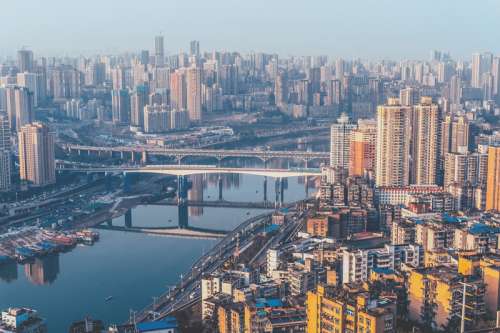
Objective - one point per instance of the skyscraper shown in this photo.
(340, 142)
(454, 134)
(29, 81)
(426, 123)
(178, 90)
(138, 101)
(493, 182)
(25, 61)
(120, 106)
(5, 162)
(363, 142)
(36, 154)
(393, 144)
(194, 48)
(159, 51)
(19, 107)
(194, 94)
(281, 89)
(476, 70)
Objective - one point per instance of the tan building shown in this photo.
(194, 94)
(36, 154)
(178, 90)
(493, 182)
(426, 126)
(318, 226)
(393, 144)
(455, 134)
(363, 142)
(340, 142)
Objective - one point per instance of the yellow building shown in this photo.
(493, 182)
(435, 296)
(332, 310)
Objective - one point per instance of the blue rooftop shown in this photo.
(269, 302)
(381, 270)
(481, 228)
(167, 323)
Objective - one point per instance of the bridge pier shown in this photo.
(122, 155)
(144, 159)
(282, 190)
(219, 182)
(277, 190)
(128, 218)
(126, 182)
(181, 189)
(265, 188)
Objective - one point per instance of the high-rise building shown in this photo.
(5, 161)
(120, 106)
(495, 71)
(25, 61)
(455, 92)
(19, 107)
(408, 96)
(393, 144)
(476, 70)
(281, 89)
(363, 143)
(30, 81)
(454, 134)
(463, 168)
(194, 94)
(333, 92)
(159, 51)
(138, 100)
(493, 182)
(340, 142)
(228, 79)
(426, 123)
(36, 154)
(194, 48)
(178, 90)
(156, 118)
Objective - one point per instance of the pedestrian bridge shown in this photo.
(186, 170)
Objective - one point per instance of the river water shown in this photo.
(132, 267)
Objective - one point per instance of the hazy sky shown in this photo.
(348, 28)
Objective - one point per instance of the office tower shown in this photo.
(178, 90)
(19, 107)
(476, 70)
(493, 182)
(5, 162)
(333, 90)
(340, 142)
(138, 100)
(194, 94)
(281, 89)
(455, 93)
(36, 154)
(393, 144)
(408, 96)
(228, 79)
(314, 77)
(194, 48)
(156, 118)
(95, 74)
(25, 61)
(29, 81)
(159, 51)
(145, 57)
(426, 124)
(363, 143)
(140, 74)
(454, 134)
(120, 106)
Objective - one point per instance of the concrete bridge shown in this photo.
(186, 170)
(169, 231)
(142, 152)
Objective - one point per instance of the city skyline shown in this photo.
(375, 30)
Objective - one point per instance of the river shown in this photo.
(132, 267)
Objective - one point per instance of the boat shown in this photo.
(109, 298)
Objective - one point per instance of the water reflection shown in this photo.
(43, 270)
